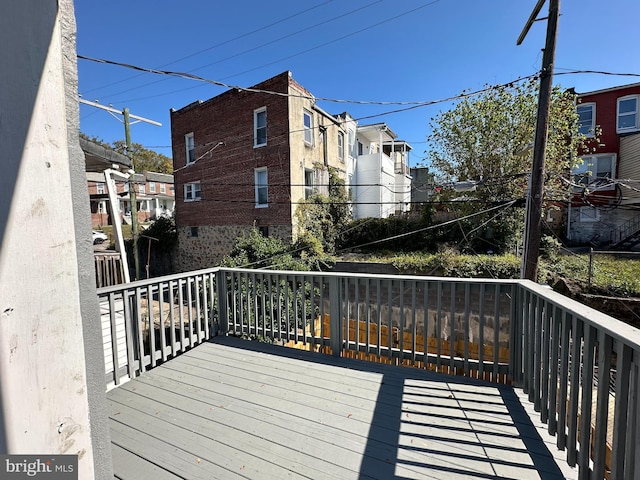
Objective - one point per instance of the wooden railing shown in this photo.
(564, 355)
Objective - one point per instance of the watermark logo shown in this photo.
(49, 467)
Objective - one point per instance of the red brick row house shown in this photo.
(605, 207)
(154, 191)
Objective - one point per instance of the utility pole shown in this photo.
(536, 192)
(131, 180)
(132, 194)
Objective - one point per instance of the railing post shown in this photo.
(335, 328)
(223, 310)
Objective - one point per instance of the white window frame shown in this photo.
(152, 187)
(257, 128)
(308, 129)
(341, 146)
(100, 188)
(141, 189)
(163, 188)
(192, 192)
(636, 124)
(190, 148)
(309, 188)
(260, 186)
(589, 167)
(590, 131)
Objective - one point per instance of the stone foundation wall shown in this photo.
(212, 243)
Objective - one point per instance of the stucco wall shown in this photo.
(52, 399)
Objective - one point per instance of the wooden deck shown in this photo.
(237, 409)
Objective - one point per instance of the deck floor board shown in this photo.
(237, 409)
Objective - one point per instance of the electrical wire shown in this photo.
(220, 44)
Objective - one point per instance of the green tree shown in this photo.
(321, 218)
(487, 139)
(145, 159)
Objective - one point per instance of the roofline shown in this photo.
(610, 89)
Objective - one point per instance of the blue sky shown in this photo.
(365, 50)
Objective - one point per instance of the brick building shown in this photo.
(248, 157)
(605, 208)
(154, 197)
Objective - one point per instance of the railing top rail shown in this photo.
(382, 276)
(154, 280)
(615, 328)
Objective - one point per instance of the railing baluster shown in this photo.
(467, 327)
(390, 317)
(197, 288)
(439, 329)
(572, 409)
(481, 301)
(130, 337)
(621, 410)
(602, 408)
(163, 333)
(114, 340)
(556, 328)
(496, 332)
(140, 329)
(534, 394)
(356, 308)
(452, 330)
(425, 325)
(528, 344)
(379, 317)
(564, 381)
(544, 378)
(413, 322)
(367, 306)
(587, 395)
(632, 440)
(152, 326)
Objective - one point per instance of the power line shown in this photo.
(220, 44)
(253, 49)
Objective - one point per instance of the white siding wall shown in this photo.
(629, 166)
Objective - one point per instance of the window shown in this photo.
(264, 231)
(262, 189)
(100, 188)
(260, 127)
(141, 189)
(191, 191)
(152, 187)
(308, 127)
(191, 149)
(360, 148)
(143, 206)
(193, 231)
(627, 114)
(125, 186)
(309, 181)
(587, 119)
(341, 146)
(595, 170)
(163, 188)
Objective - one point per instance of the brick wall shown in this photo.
(226, 173)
